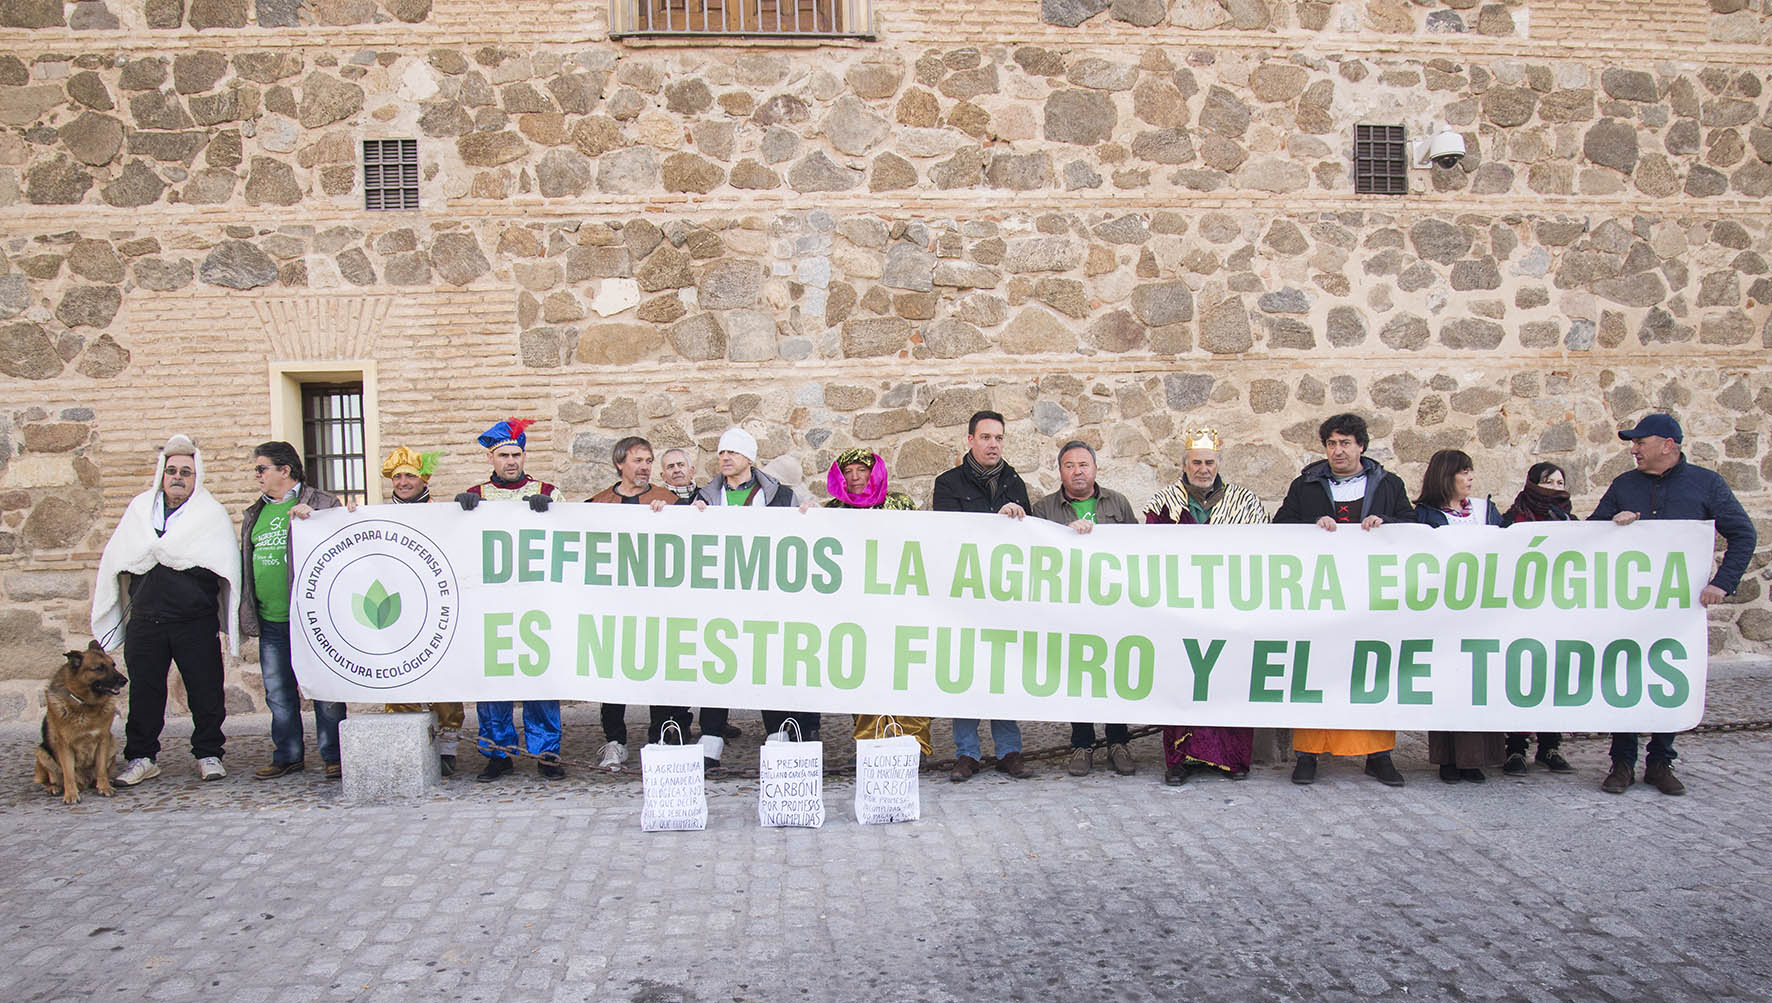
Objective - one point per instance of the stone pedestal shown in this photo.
(389, 756)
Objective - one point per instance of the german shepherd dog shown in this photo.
(77, 746)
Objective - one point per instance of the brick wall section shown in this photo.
(1104, 231)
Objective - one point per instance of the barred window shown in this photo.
(1381, 160)
(743, 18)
(333, 439)
(390, 174)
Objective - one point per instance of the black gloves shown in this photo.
(539, 503)
(467, 500)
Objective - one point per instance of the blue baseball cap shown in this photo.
(1663, 425)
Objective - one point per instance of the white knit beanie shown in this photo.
(737, 440)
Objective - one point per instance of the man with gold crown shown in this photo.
(411, 473)
(506, 446)
(858, 479)
(1201, 497)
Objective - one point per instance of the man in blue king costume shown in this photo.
(505, 446)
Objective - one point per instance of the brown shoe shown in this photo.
(1082, 761)
(276, 770)
(1014, 765)
(334, 771)
(964, 768)
(1121, 758)
(1620, 779)
(1661, 777)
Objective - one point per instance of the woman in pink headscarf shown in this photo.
(858, 480)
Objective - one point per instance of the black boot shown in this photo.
(1305, 770)
(1380, 768)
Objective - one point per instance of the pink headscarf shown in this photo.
(876, 489)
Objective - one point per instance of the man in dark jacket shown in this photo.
(1665, 486)
(1345, 488)
(267, 580)
(983, 482)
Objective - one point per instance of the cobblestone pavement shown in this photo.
(1104, 887)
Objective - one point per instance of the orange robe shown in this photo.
(1342, 741)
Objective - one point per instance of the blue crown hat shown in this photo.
(1660, 424)
(509, 430)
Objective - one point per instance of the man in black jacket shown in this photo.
(1345, 487)
(1665, 486)
(984, 482)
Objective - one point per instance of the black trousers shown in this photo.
(1083, 735)
(615, 726)
(150, 649)
(1518, 740)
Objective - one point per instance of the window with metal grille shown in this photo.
(743, 18)
(1381, 160)
(332, 438)
(390, 174)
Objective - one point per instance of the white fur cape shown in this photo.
(200, 534)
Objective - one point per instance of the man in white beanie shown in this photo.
(173, 554)
(741, 483)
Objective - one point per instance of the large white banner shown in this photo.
(1553, 627)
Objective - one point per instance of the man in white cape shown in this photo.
(168, 588)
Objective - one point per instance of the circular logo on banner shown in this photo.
(379, 603)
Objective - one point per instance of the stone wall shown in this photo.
(1103, 219)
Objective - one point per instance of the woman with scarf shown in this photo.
(1445, 500)
(858, 480)
(1543, 499)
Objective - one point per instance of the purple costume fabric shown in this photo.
(1228, 749)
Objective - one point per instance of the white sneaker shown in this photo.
(615, 756)
(210, 768)
(135, 771)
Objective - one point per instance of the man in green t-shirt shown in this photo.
(1082, 504)
(264, 606)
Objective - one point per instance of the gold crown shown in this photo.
(1202, 438)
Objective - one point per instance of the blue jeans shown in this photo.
(1005, 736)
(498, 726)
(1624, 748)
(283, 696)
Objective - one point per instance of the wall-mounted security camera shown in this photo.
(1443, 149)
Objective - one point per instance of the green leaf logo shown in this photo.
(377, 609)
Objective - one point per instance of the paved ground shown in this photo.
(1102, 888)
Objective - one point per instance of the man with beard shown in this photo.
(1202, 497)
(632, 457)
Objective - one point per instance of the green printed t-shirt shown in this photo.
(1085, 509)
(737, 496)
(270, 561)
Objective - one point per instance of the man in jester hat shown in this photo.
(506, 446)
(411, 473)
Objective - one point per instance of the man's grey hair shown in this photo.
(674, 449)
(1075, 444)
